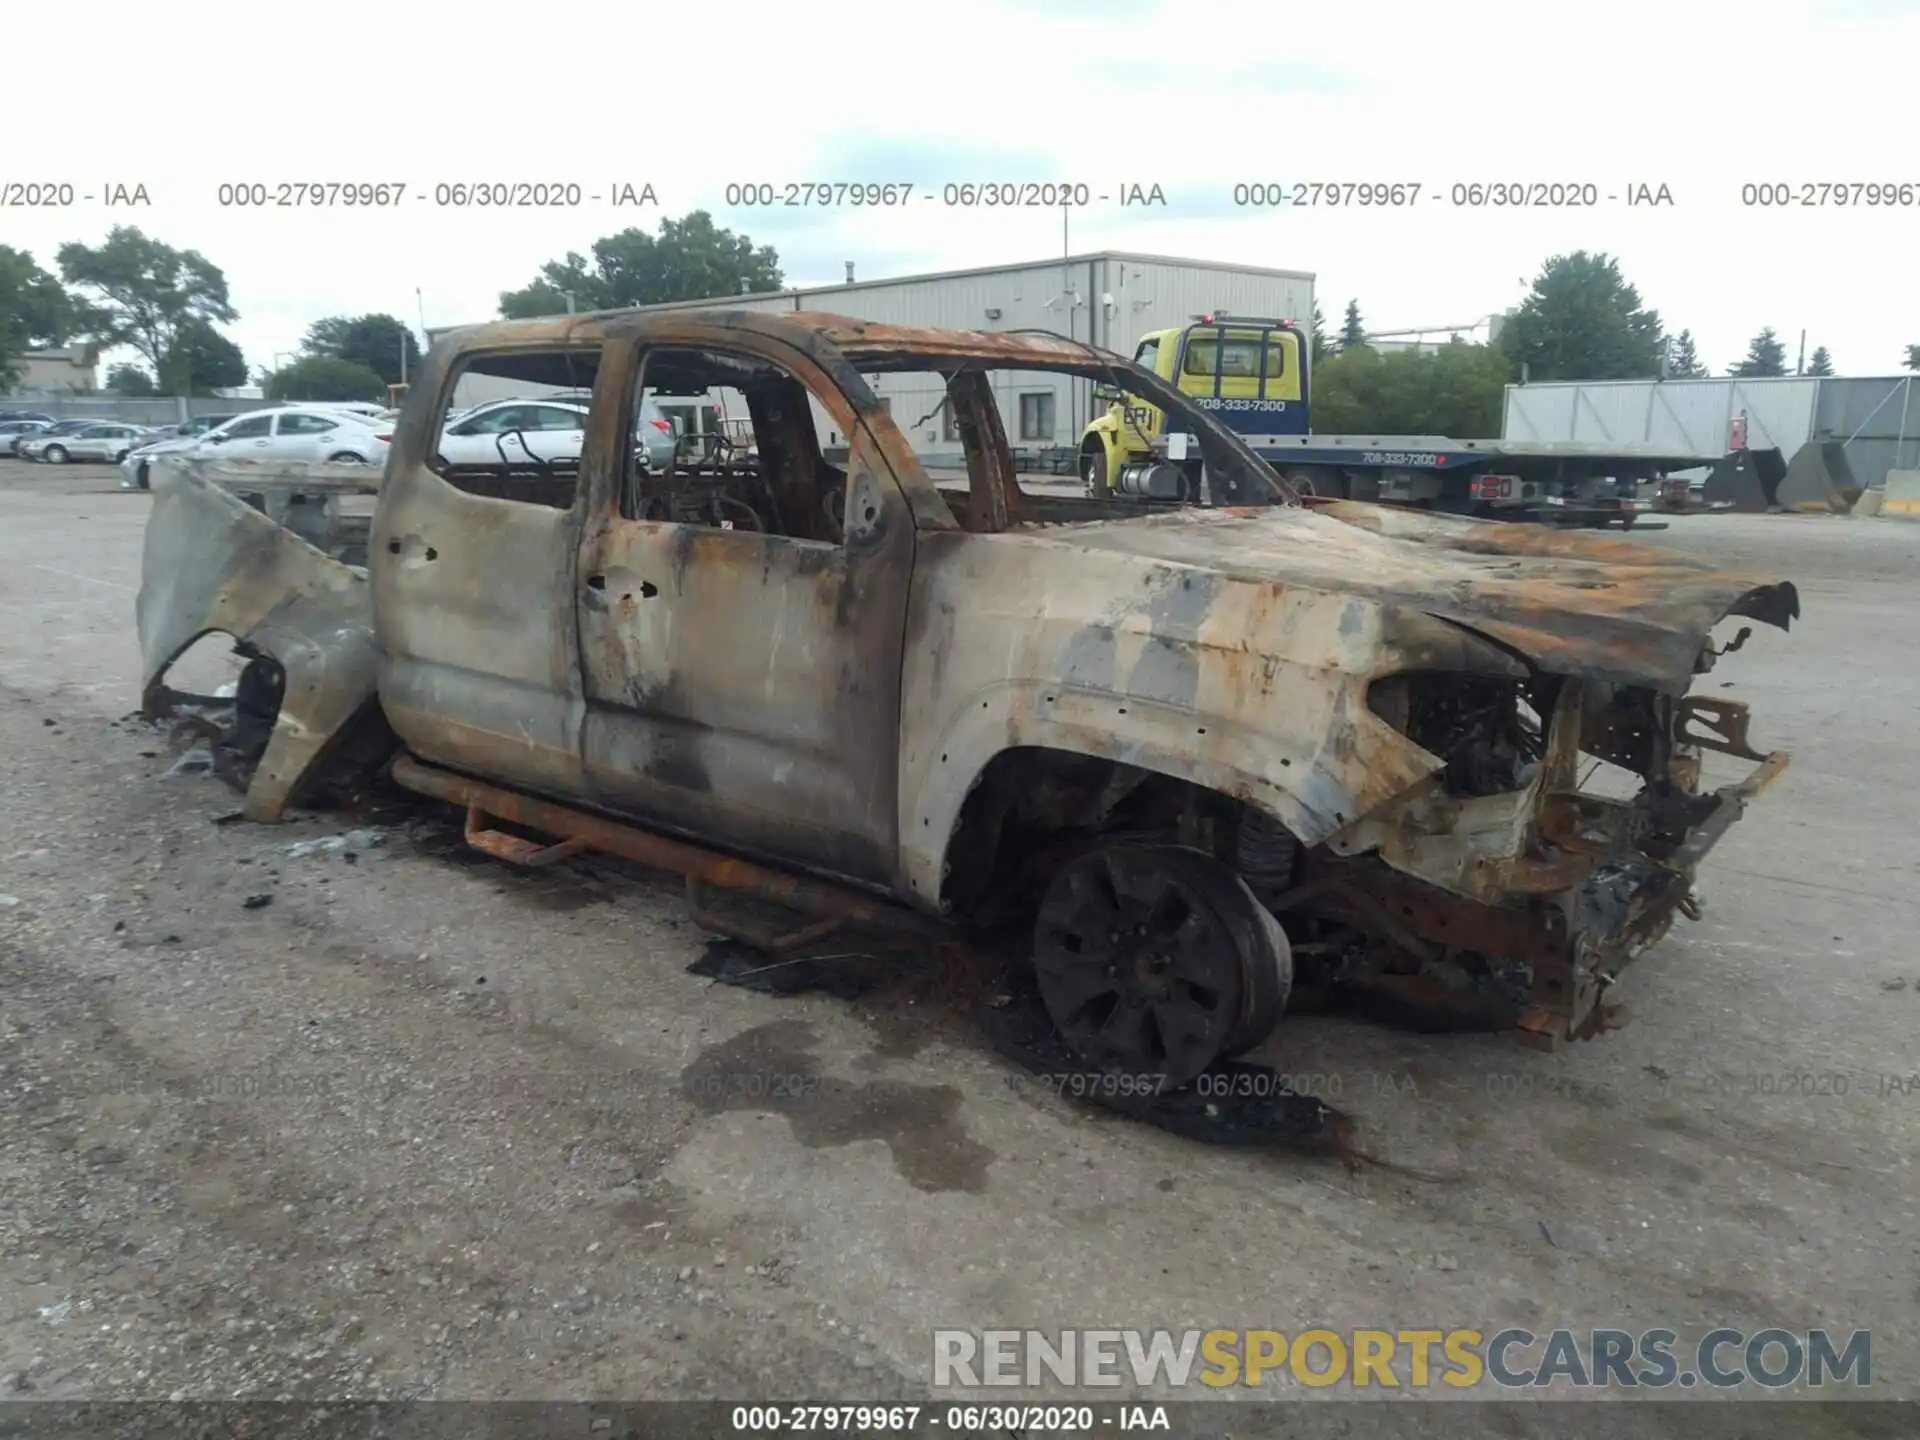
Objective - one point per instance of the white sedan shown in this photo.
(516, 430)
(297, 432)
(553, 431)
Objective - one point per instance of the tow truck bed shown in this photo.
(1548, 481)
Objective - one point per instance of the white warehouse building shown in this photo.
(1109, 298)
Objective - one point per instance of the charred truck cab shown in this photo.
(1190, 756)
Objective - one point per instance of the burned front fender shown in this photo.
(212, 563)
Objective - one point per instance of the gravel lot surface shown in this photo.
(378, 1117)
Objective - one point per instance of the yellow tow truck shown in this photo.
(1255, 376)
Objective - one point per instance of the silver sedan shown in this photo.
(12, 432)
(108, 442)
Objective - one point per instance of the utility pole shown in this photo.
(1066, 275)
(1800, 365)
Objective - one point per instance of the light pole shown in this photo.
(277, 355)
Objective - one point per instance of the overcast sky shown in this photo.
(1696, 95)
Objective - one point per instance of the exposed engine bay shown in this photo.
(1502, 892)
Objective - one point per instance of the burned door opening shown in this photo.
(741, 617)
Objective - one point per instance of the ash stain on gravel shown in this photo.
(771, 1069)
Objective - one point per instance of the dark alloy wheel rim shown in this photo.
(1138, 970)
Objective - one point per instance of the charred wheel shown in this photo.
(1157, 961)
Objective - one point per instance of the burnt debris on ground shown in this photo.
(845, 975)
(1233, 1103)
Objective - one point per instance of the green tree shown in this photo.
(1323, 349)
(131, 380)
(1765, 356)
(691, 259)
(1912, 362)
(1820, 363)
(139, 292)
(375, 341)
(1683, 358)
(1455, 389)
(35, 311)
(1353, 333)
(324, 377)
(1583, 321)
(208, 360)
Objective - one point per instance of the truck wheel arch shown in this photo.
(1094, 443)
(1300, 791)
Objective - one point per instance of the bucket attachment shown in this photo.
(1746, 480)
(1819, 480)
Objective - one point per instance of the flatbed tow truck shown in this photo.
(1253, 375)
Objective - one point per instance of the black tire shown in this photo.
(346, 457)
(141, 479)
(1267, 963)
(1156, 961)
(54, 454)
(1093, 471)
(120, 458)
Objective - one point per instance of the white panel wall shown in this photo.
(1152, 295)
(1684, 414)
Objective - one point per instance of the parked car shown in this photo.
(549, 429)
(296, 432)
(365, 409)
(39, 415)
(186, 429)
(1182, 750)
(106, 443)
(283, 432)
(135, 470)
(58, 434)
(552, 431)
(12, 432)
(136, 467)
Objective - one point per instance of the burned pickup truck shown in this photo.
(1181, 753)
